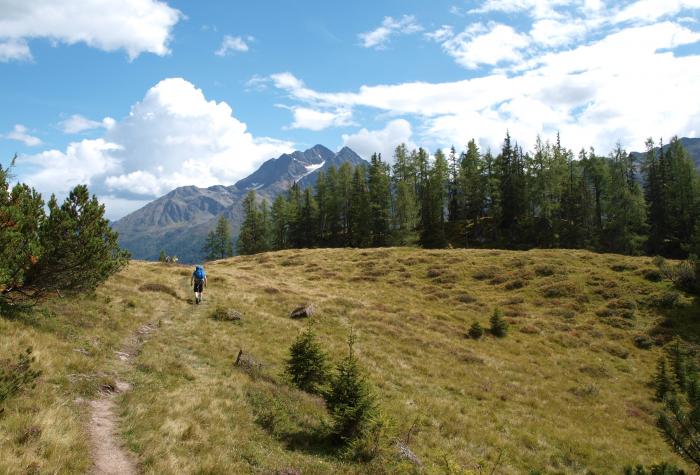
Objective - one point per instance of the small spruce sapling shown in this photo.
(350, 399)
(307, 365)
(476, 331)
(499, 327)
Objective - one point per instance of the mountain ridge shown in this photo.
(179, 221)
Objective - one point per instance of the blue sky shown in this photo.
(136, 98)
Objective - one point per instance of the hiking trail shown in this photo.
(108, 453)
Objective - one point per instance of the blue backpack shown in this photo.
(199, 273)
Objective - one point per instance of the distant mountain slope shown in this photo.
(692, 145)
(179, 221)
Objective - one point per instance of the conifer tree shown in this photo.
(307, 365)
(472, 190)
(350, 399)
(219, 244)
(379, 201)
(499, 327)
(359, 216)
(405, 209)
(252, 236)
(280, 224)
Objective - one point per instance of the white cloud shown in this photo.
(482, 44)
(21, 134)
(312, 119)
(136, 26)
(173, 137)
(552, 33)
(233, 44)
(536, 8)
(81, 163)
(384, 141)
(14, 49)
(77, 123)
(651, 10)
(379, 37)
(614, 88)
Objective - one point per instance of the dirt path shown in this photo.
(108, 454)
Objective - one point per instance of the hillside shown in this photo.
(692, 145)
(179, 221)
(567, 391)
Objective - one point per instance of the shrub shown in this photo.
(155, 287)
(476, 331)
(466, 298)
(226, 314)
(686, 275)
(307, 365)
(544, 270)
(17, 376)
(643, 342)
(666, 299)
(499, 327)
(515, 284)
(350, 400)
(652, 275)
(72, 248)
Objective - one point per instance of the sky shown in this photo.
(137, 97)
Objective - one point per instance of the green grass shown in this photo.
(566, 391)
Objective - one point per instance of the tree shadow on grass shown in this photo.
(680, 319)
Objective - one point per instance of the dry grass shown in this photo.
(565, 392)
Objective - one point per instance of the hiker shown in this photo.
(199, 281)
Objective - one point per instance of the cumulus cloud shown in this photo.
(14, 49)
(136, 26)
(481, 44)
(380, 36)
(366, 142)
(312, 119)
(21, 134)
(82, 163)
(173, 137)
(77, 123)
(594, 93)
(233, 44)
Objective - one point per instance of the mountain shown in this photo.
(179, 221)
(692, 145)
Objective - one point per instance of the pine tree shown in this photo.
(499, 327)
(350, 399)
(679, 421)
(79, 250)
(219, 244)
(252, 236)
(475, 331)
(433, 203)
(307, 365)
(359, 216)
(662, 381)
(472, 190)
(280, 224)
(379, 201)
(405, 208)
(162, 256)
(308, 220)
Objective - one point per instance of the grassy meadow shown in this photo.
(566, 391)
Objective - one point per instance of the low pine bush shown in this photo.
(307, 365)
(17, 376)
(499, 327)
(476, 331)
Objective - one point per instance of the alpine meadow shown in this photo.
(457, 237)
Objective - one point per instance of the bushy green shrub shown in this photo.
(350, 399)
(15, 377)
(307, 365)
(476, 331)
(499, 327)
